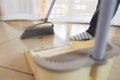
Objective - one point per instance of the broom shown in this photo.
(43, 28)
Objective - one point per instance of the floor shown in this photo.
(13, 64)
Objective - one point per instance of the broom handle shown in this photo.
(50, 9)
(103, 26)
(43, 8)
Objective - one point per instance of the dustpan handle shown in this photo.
(105, 16)
(50, 9)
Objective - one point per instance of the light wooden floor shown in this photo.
(13, 65)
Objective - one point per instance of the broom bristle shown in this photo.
(37, 32)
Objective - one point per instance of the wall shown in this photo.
(76, 11)
(20, 9)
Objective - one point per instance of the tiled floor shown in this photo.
(13, 64)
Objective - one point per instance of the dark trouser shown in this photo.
(93, 22)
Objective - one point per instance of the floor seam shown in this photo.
(7, 41)
(16, 70)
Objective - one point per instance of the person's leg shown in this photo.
(87, 35)
(93, 22)
(93, 25)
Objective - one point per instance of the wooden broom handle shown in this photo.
(43, 3)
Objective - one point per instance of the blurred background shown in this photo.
(79, 11)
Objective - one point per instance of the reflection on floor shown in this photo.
(13, 65)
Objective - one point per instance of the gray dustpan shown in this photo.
(74, 59)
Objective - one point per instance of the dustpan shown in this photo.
(67, 63)
(53, 64)
(72, 60)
